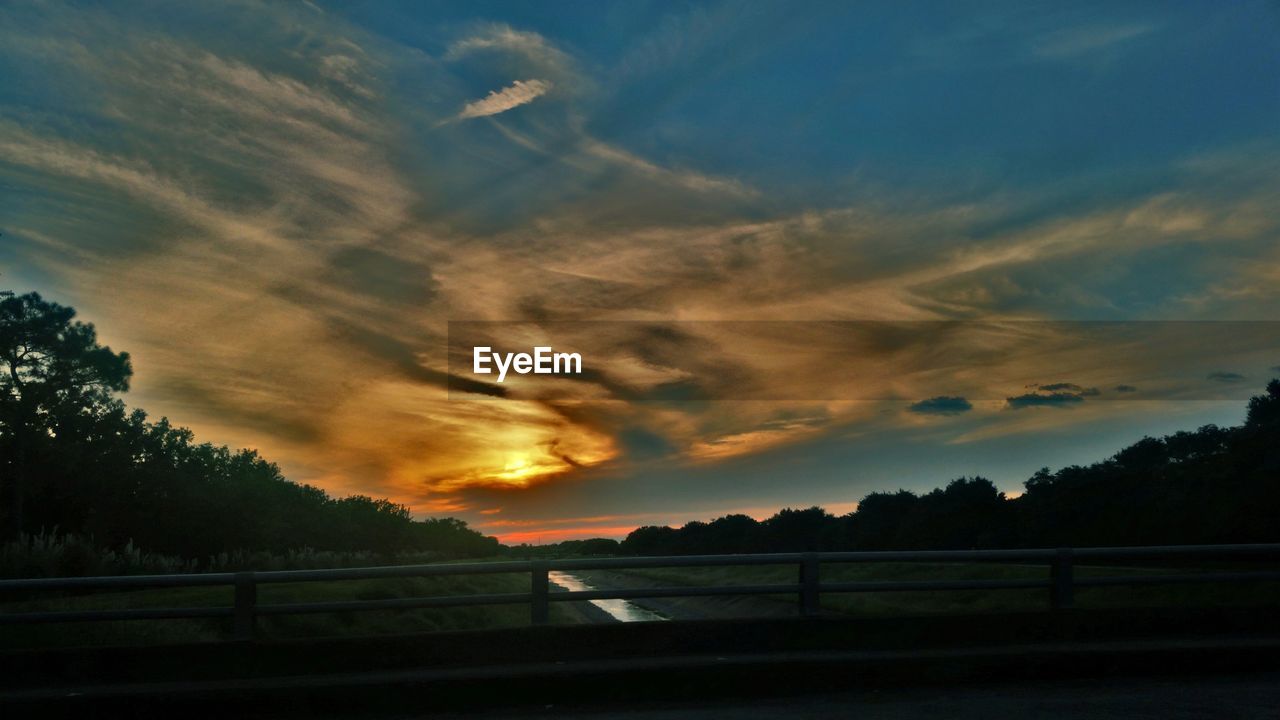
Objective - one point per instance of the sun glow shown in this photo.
(517, 468)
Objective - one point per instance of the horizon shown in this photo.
(980, 239)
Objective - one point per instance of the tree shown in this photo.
(881, 518)
(791, 530)
(967, 513)
(52, 365)
(736, 534)
(652, 540)
(73, 457)
(1264, 410)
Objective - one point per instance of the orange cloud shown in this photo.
(559, 534)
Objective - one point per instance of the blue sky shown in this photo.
(956, 102)
(277, 209)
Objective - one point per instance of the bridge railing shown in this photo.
(1060, 582)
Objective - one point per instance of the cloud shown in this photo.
(1225, 377)
(1058, 399)
(568, 143)
(687, 179)
(521, 92)
(1071, 388)
(942, 405)
(640, 443)
(1073, 42)
(248, 219)
(502, 49)
(504, 38)
(1058, 394)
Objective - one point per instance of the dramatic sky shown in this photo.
(278, 209)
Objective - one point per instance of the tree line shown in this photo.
(74, 458)
(1211, 485)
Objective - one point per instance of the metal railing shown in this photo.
(1060, 583)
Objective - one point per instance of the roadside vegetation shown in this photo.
(311, 625)
(873, 604)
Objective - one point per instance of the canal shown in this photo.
(620, 610)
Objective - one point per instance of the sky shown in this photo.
(807, 251)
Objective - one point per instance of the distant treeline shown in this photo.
(75, 460)
(1213, 485)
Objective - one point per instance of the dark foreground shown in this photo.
(1241, 697)
(1066, 664)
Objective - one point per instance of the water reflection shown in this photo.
(620, 610)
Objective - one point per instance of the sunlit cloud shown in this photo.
(521, 92)
(504, 38)
(280, 239)
(559, 534)
(684, 178)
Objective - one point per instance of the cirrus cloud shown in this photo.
(521, 92)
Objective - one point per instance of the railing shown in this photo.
(1060, 583)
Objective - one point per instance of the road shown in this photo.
(1237, 697)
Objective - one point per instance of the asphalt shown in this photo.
(825, 666)
(1252, 696)
(805, 680)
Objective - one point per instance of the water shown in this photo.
(620, 610)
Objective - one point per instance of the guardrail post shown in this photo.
(1061, 591)
(539, 588)
(809, 585)
(246, 601)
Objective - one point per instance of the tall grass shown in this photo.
(51, 554)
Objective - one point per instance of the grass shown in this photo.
(54, 554)
(969, 601)
(376, 622)
(390, 622)
(50, 554)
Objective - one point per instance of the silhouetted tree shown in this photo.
(881, 518)
(736, 534)
(1210, 485)
(811, 529)
(53, 365)
(75, 458)
(968, 513)
(1264, 410)
(652, 540)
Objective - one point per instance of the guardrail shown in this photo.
(1060, 583)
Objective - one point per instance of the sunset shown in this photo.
(278, 219)
(555, 272)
